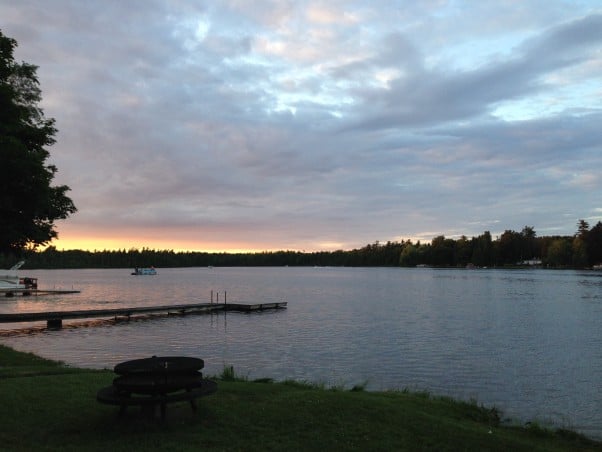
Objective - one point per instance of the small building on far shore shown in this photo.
(531, 262)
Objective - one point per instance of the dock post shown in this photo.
(225, 299)
(54, 323)
(212, 297)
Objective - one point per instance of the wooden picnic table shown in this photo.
(157, 381)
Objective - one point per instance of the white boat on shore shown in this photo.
(11, 283)
(139, 271)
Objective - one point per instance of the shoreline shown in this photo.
(51, 406)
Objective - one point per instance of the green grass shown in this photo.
(48, 406)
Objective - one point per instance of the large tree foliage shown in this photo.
(29, 204)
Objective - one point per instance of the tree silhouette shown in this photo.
(29, 205)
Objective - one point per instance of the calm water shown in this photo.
(528, 342)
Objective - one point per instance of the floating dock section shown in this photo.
(55, 319)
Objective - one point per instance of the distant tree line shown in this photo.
(370, 255)
(511, 248)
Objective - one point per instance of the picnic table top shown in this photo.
(160, 365)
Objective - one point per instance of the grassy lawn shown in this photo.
(48, 406)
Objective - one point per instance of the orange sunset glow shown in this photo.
(72, 238)
(99, 243)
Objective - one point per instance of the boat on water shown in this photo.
(11, 283)
(139, 271)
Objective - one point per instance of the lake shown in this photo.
(526, 341)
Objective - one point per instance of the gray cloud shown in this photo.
(426, 98)
(303, 126)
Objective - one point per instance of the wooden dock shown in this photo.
(55, 319)
(36, 292)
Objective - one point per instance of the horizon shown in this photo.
(494, 235)
(316, 126)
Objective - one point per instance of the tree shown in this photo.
(529, 242)
(581, 244)
(594, 244)
(582, 229)
(463, 251)
(29, 205)
(409, 256)
(579, 253)
(560, 253)
(482, 255)
(510, 247)
(442, 251)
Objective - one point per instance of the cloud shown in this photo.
(294, 124)
(422, 98)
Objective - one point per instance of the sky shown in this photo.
(305, 125)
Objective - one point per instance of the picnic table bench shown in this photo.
(155, 382)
